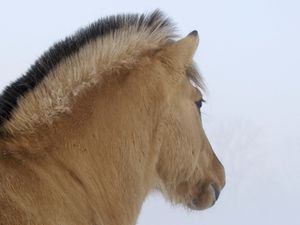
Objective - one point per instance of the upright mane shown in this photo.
(78, 62)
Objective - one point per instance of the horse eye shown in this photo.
(199, 103)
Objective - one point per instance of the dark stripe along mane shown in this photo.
(70, 45)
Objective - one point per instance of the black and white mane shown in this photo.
(154, 25)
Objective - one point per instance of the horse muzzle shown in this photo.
(205, 197)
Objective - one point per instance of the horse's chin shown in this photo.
(203, 199)
(198, 196)
(196, 206)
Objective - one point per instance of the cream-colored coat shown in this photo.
(94, 139)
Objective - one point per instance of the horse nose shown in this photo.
(216, 190)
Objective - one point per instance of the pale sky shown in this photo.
(249, 55)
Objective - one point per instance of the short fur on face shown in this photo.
(187, 165)
(110, 121)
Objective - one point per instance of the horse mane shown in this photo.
(76, 63)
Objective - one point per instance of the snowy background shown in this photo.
(249, 55)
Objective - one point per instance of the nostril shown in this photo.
(216, 190)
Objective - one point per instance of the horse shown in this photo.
(101, 120)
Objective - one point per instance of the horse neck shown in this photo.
(109, 143)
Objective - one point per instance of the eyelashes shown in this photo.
(199, 103)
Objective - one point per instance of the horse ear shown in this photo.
(183, 50)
